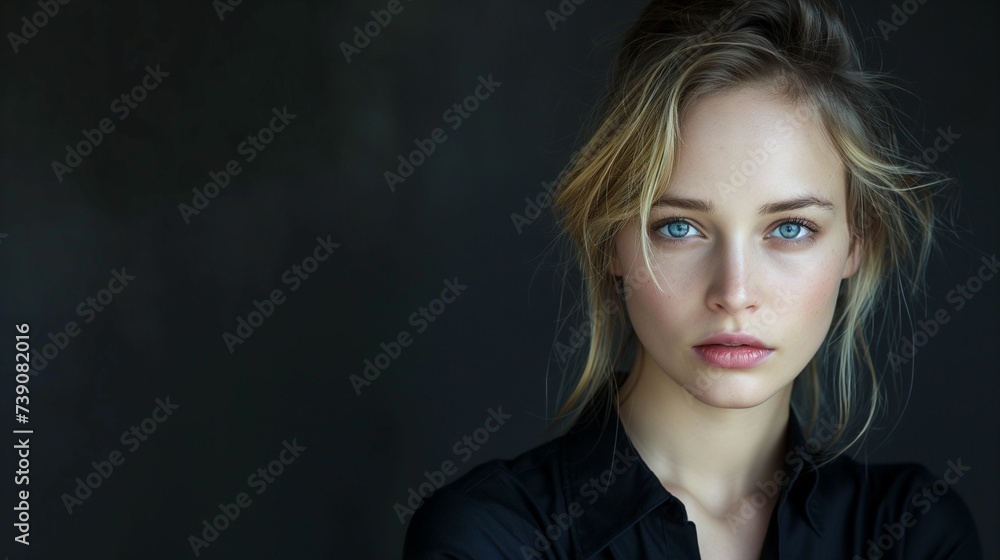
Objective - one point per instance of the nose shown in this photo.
(733, 279)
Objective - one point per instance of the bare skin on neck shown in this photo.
(711, 459)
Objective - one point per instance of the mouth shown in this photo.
(732, 351)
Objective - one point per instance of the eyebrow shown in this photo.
(769, 208)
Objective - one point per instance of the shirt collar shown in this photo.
(614, 488)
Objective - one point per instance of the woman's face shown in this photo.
(750, 237)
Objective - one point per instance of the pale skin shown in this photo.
(729, 260)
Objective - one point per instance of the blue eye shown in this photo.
(791, 230)
(676, 229)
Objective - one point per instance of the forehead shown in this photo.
(748, 144)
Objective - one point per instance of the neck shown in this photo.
(714, 455)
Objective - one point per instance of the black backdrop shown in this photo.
(305, 213)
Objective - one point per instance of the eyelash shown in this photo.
(813, 229)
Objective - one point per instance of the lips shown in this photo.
(732, 351)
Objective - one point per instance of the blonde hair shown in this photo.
(678, 52)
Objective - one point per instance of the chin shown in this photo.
(730, 389)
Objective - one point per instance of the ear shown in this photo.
(854, 258)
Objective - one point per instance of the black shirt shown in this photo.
(588, 495)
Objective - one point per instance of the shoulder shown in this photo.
(904, 507)
(488, 513)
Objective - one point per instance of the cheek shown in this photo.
(671, 310)
(678, 273)
(801, 302)
(659, 318)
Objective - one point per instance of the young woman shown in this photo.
(740, 212)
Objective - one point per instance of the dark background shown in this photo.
(323, 177)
